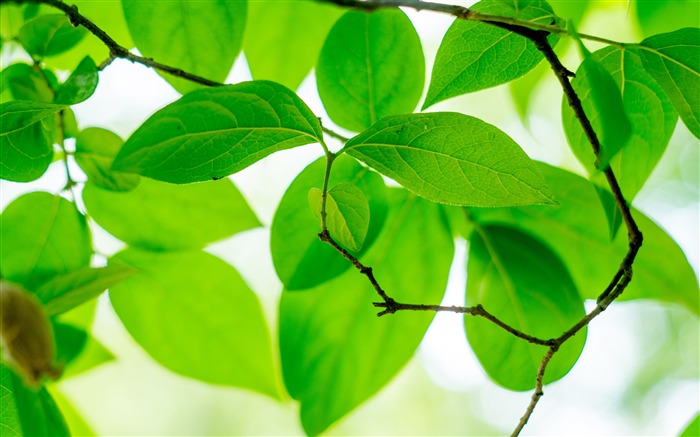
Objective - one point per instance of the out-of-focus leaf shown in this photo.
(95, 150)
(49, 35)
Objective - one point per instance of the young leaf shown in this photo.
(161, 216)
(95, 150)
(283, 39)
(602, 103)
(68, 290)
(347, 213)
(474, 56)
(451, 158)
(49, 35)
(202, 38)
(24, 83)
(28, 413)
(212, 133)
(371, 66)
(528, 287)
(194, 314)
(672, 59)
(331, 340)
(42, 235)
(80, 84)
(301, 260)
(661, 270)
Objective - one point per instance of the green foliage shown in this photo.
(331, 342)
(541, 239)
(671, 59)
(202, 302)
(240, 123)
(474, 56)
(371, 66)
(25, 412)
(301, 260)
(160, 216)
(202, 38)
(283, 38)
(451, 158)
(527, 286)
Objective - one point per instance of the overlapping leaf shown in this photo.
(194, 314)
(212, 133)
(80, 84)
(347, 213)
(300, 258)
(474, 56)
(49, 35)
(21, 82)
(42, 235)
(371, 66)
(672, 59)
(579, 235)
(158, 216)
(523, 283)
(202, 38)
(451, 158)
(331, 340)
(95, 150)
(283, 39)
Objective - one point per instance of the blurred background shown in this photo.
(638, 374)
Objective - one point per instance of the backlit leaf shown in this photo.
(672, 59)
(658, 16)
(194, 314)
(22, 82)
(523, 283)
(579, 235)
(25, 412)
(371, 66)
(451, 158)
(80, 84)
(161, 216)
(283, 38)
(95, 150)
(202, 38)
(212, 133)
(301, 260)
(347, 213)
(49, 35)
(331, 340)
(42, 235)
(474, 56)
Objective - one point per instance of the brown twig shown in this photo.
(538, 393)
(115, 50)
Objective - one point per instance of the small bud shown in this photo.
(26, 336)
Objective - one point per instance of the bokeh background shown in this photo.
(638, 374)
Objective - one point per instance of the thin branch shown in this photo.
(115, 50)
(335, 134)
(463, 13)
(539, 392)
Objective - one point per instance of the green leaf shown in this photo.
(161, 216)
(451, 158)
(25, 412)
(42, 236)
(659, 16)
(347, 212)
(331, 340)
(70, 342)
(194, 314)
(49, 35)
(474, 56)
(95, 150)
(301, 260)
(25, 154)
(283, 38)
(212, 133)
(693, 428)
(523, 283)
(672, 59)
(19, 114)
(202, 38)
(92, 355)
(371, 66)
(603, 105)
(24, 83)
(579, 235)
(80, 84)
(68, 290)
